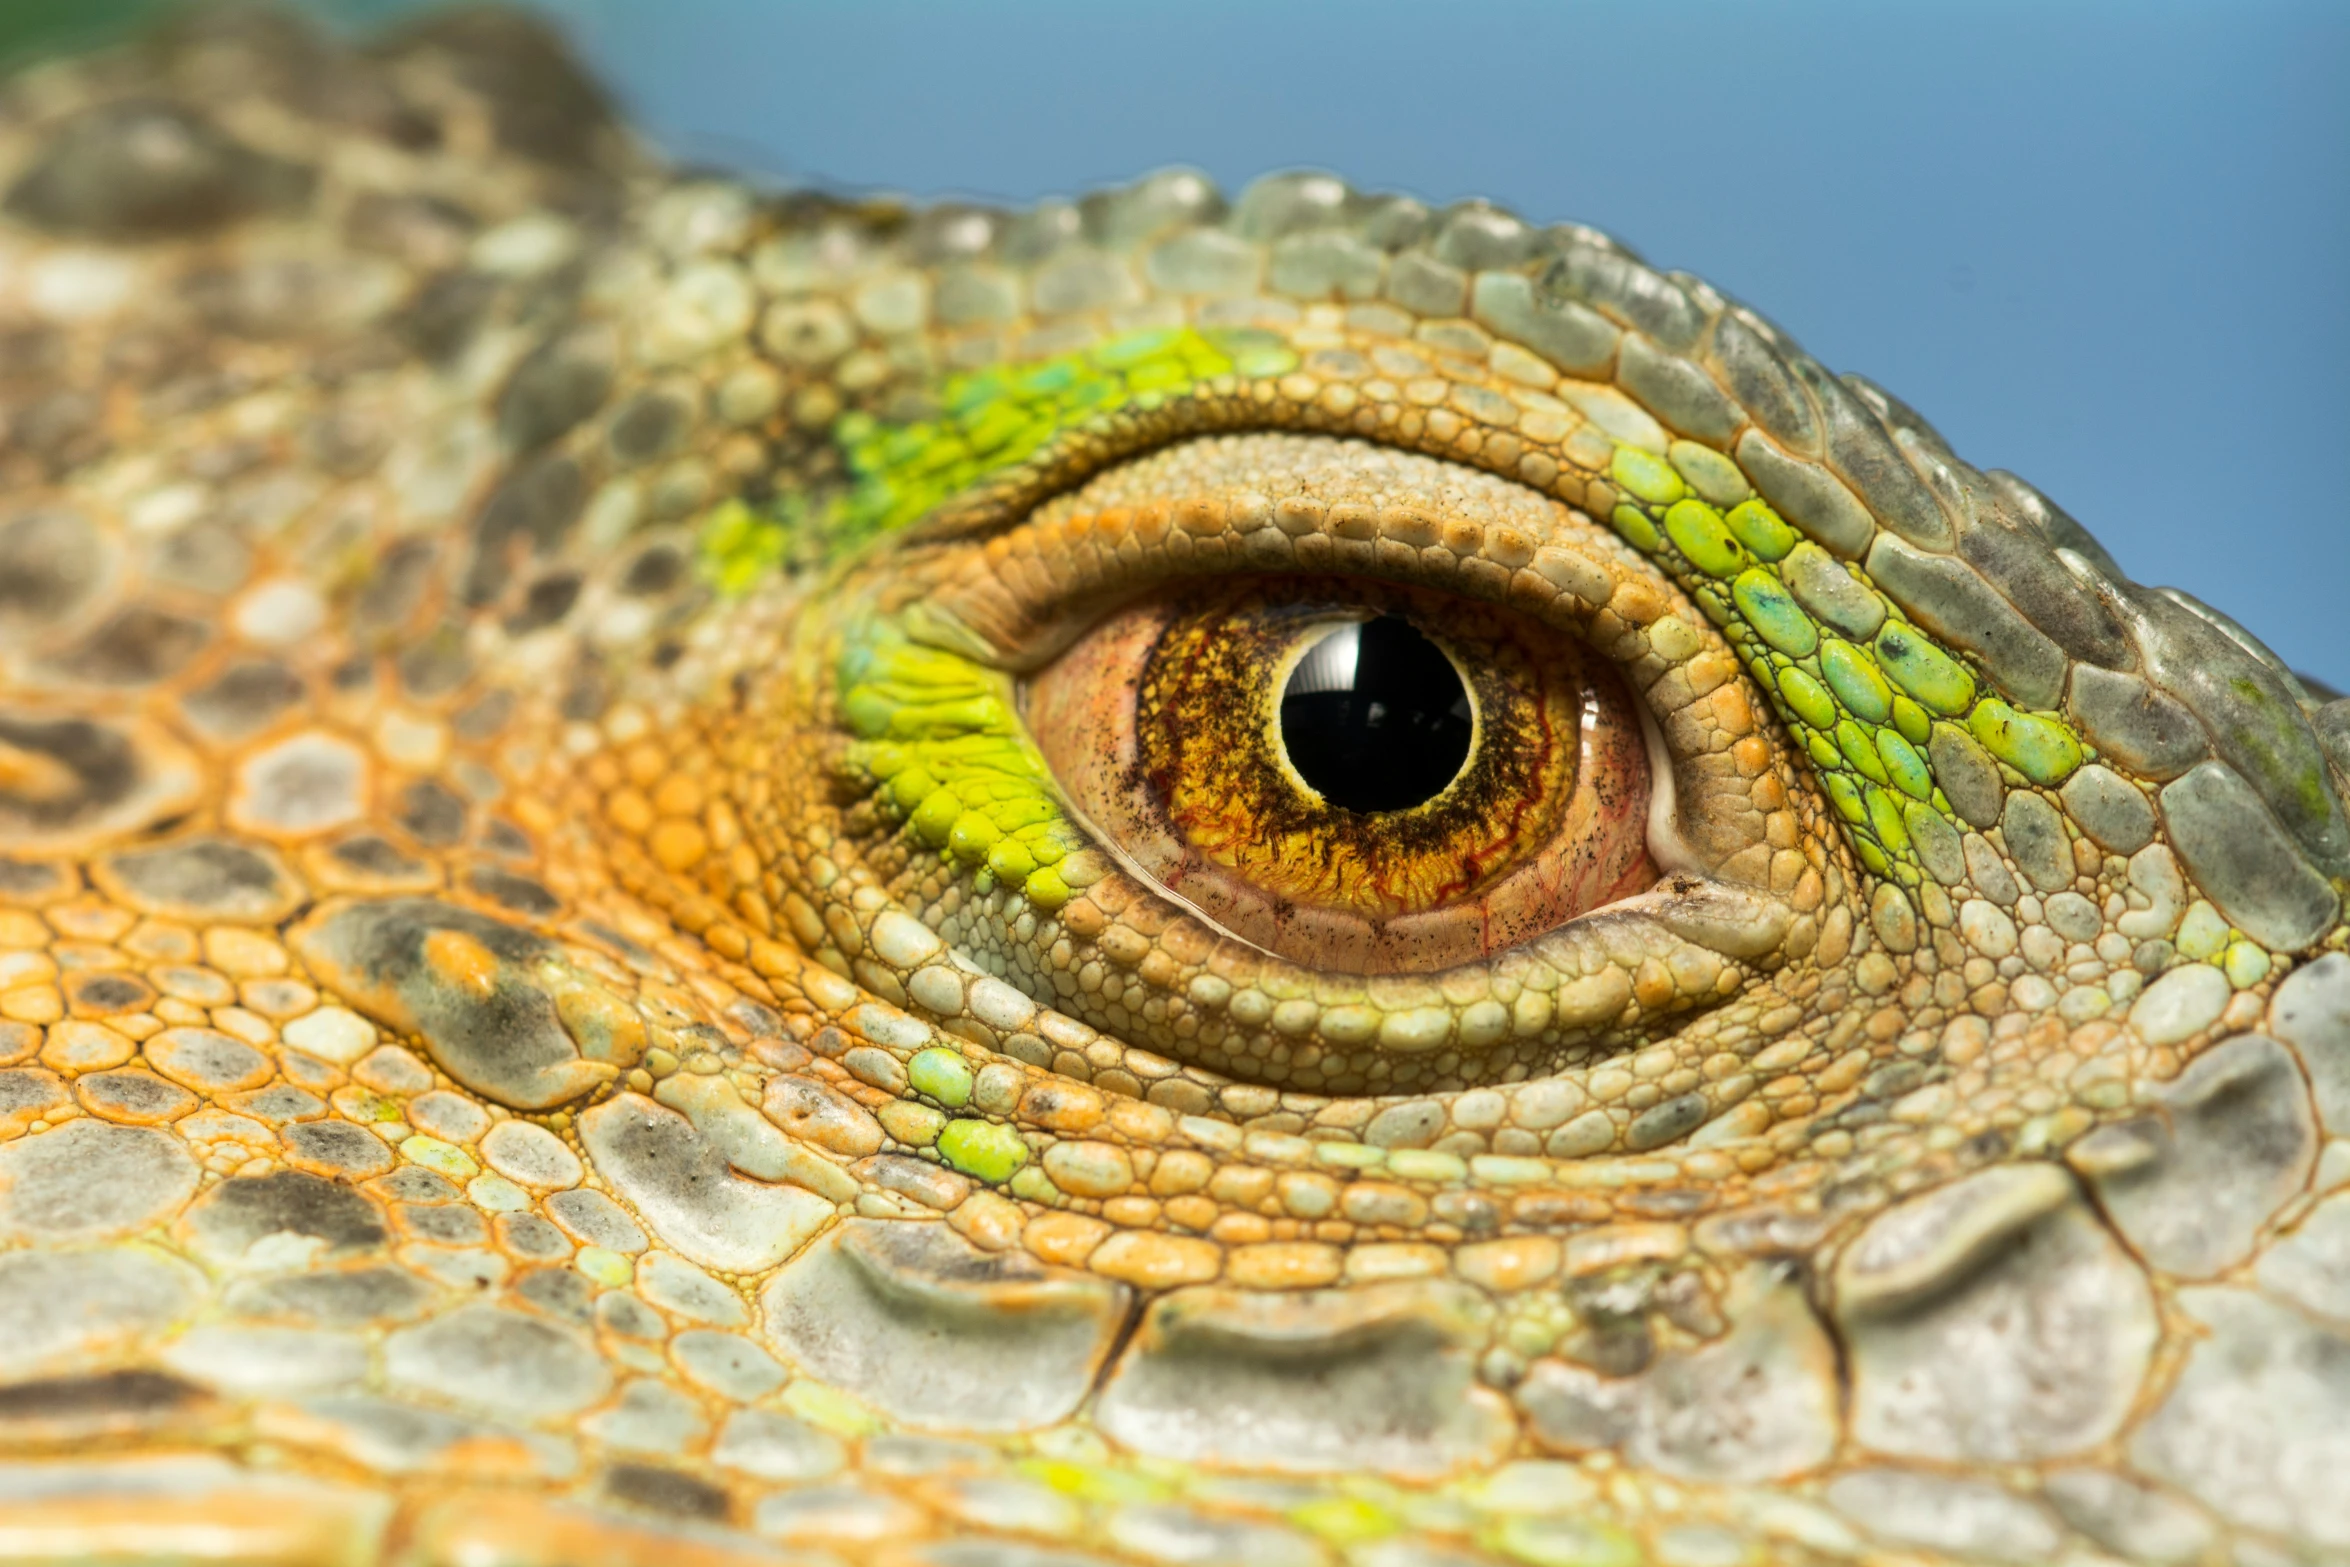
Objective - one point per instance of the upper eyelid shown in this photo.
(1023, 606)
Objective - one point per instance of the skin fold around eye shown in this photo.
(946, 798)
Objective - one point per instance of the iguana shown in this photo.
(691, 875)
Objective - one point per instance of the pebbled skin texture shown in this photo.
(551, 1011)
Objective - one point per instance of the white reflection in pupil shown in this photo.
(1375, 717)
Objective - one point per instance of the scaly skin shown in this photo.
(559, 1001)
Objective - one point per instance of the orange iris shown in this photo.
(1165, 725)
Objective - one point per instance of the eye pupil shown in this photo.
(1375, 717)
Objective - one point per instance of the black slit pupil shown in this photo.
(1376, 718)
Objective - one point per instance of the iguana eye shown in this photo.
(1120, 752)
(1354, 777)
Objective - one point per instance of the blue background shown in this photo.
(2106, 245)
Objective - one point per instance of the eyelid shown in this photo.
(1027, 592)
(1769, 892)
